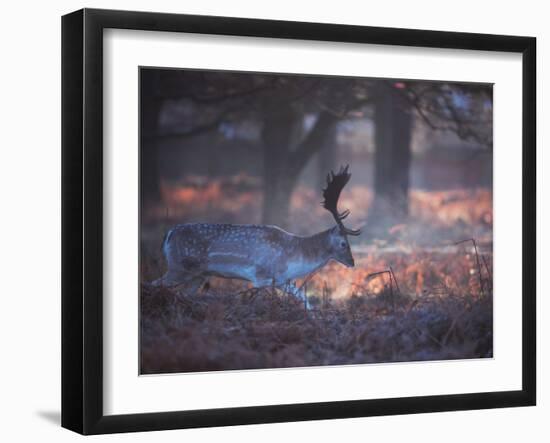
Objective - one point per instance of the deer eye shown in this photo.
(343, 244)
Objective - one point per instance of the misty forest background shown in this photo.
(256, 148)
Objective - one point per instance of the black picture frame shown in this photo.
(82, 220)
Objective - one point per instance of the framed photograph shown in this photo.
(269, 221)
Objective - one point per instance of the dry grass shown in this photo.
(256, 329)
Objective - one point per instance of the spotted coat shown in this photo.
(262, 254)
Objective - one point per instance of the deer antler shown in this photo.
(331, 194)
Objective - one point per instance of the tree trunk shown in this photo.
(279, 181)
(149, 126)
(326, 159)
(282, 164)
(393, 127)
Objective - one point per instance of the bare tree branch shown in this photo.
(216, 98)
(195, 130)
(444, 117)
(314, 140)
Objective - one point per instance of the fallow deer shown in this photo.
(264, 255)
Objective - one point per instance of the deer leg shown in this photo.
(171, 278)
(176, 278)
(186, 271)
(194, 284)
(300, 294)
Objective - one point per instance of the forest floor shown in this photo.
(423, 292)
(265, 328)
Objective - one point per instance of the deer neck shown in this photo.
(313, 252)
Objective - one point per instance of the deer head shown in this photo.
(339, 234)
